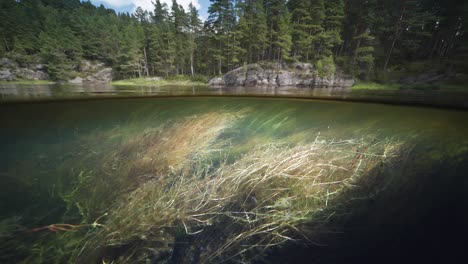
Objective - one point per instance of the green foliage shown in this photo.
(326, 66)
(375, 86)
(366, 38)
(280, 26)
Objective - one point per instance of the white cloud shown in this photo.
(146, 4)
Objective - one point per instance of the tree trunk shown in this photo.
(191, 63)
(7, 48)
(395, 38)
(145, 63)
(192, 41)
(358, 45)
(271, 43)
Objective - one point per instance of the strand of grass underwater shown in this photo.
(328, 194)
(240, 238)
(67, 227)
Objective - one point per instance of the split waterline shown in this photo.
(229, 179)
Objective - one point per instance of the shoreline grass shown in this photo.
(180, 81)
(28, 82)
(399, 86)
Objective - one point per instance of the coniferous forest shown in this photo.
(372, 39)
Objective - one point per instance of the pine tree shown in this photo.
(131, 60)
(307, 19)
(361, 26)
(194, 25)
(333, 24)
(279, 30)
(301, 29)
(282, 42)
(59, 47)
(405, 24)
(364, 55)
(221, 22)
(179, 26)
(253, 30)
(162, 44)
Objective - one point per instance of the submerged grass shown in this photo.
(184, 185)
(214, 179)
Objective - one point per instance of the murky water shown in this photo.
(211, 180)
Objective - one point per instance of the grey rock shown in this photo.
(88, 66)
(282, 74)
(77, 80)
(6, 75)
(286, 78)
(7, 63)
(102, 76)
(29, 74)
(217, 81)
(93, 72)
(10, 70)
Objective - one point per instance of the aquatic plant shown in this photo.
(9, 226)
(210, 185)
(273, 194)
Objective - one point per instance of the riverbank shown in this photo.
(125, 82)
(179, 80)
(28, 82)
(401, 86)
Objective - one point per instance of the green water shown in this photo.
(76, 163)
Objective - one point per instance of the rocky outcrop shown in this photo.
(11, 71)
(86, 72)
(7, 63)
(7, 75)
(217, 81)
(102, 76)
(76, 80)
(92, 72)
(282, 74)
(29, 74)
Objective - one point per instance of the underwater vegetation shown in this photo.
(194, 179)
(224, 186)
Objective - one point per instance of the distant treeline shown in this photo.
(366, 38)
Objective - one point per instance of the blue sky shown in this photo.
(131, 5)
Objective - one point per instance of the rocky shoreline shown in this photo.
(282, 74)
(86, 72)
(12, 71)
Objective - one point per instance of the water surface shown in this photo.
(423, 97)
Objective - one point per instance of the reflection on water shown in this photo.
(20, 92)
